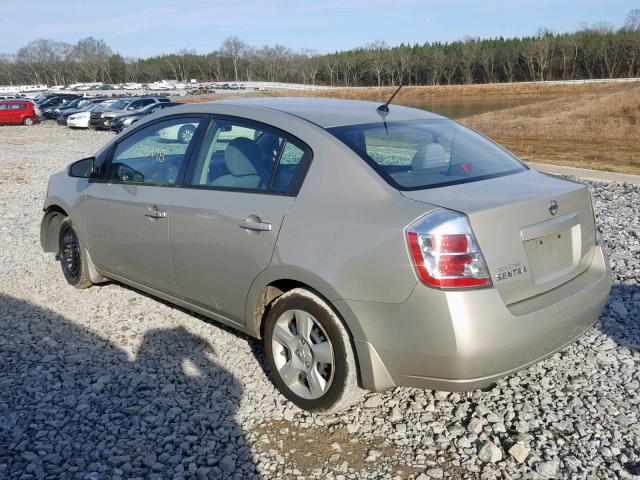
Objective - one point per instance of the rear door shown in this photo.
(225, 221)
(128, 209)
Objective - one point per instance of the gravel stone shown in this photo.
(547, 469)
(519, 452)
(111, 383)
(435, 473)
(489, 453)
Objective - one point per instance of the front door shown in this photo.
(225, 221)
(128, 211)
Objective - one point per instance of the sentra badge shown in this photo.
(510, 271)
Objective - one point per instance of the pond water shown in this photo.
(458, 107)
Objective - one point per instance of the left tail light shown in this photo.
(445, 253)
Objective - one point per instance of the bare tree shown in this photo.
(632, 22)
(538, 55)
(468, 57)
(7, 68)
(233, 48)
(93, 56)
(377, 55)
(488, 62)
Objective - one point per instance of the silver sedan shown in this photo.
(369, 248)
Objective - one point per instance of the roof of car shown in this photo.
(332, 112)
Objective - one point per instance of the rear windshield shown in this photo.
(427, 153)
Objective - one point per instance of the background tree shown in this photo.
(593, 51)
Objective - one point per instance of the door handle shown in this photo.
(255, 226)
(155, 214)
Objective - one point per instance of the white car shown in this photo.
(79, 120)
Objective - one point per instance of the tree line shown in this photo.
(593, 51)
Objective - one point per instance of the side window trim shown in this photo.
(296, 182)
(202, 127)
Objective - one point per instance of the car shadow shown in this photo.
(74, 404)
(256, 345)
(620, 320)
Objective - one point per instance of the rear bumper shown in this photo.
(458, 341)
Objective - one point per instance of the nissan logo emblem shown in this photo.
(553, 207)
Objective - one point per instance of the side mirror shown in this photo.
(82, 168)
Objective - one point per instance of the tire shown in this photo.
(185, 134)
(28, 121)
(73, 257)
(296, 360)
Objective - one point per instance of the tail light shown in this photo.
(445, 253)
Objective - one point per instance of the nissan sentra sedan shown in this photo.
(368, 247)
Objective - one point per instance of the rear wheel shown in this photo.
(309, 353)
(72, 257)
(28, 121)
(185, 134)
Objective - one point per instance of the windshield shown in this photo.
(427, 153)
(120, 104)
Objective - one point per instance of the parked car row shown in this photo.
(76, 111)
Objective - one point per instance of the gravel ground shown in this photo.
(110, 383)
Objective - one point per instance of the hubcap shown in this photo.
(70, 255)
(303, 354)
(187, 135)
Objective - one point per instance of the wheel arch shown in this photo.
(267, 289)
(53, 217)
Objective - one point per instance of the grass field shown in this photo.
(595, 128)
(582, 125)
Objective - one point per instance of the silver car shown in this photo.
(368, 249)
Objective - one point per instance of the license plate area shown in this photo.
(555, 255)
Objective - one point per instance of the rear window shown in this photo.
(427, 153)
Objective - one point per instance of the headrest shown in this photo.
(428, 156)
(243, 157)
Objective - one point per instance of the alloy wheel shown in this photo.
(303, 354)
(187, 135)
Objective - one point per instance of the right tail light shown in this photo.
(445, 252)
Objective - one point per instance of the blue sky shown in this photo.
(149, 27)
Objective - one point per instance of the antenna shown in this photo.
(385, 107)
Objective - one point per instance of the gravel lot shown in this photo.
(110, 383)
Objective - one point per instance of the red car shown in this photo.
(19, 112)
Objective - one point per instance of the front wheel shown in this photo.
(73, 257)
(310, 354)
(28, 121)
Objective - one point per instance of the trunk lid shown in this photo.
(528, 249)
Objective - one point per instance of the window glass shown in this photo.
(3, 106)
(120, 104)
(289, 163)
(244, 156)
(153, 155)
(424, 154)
